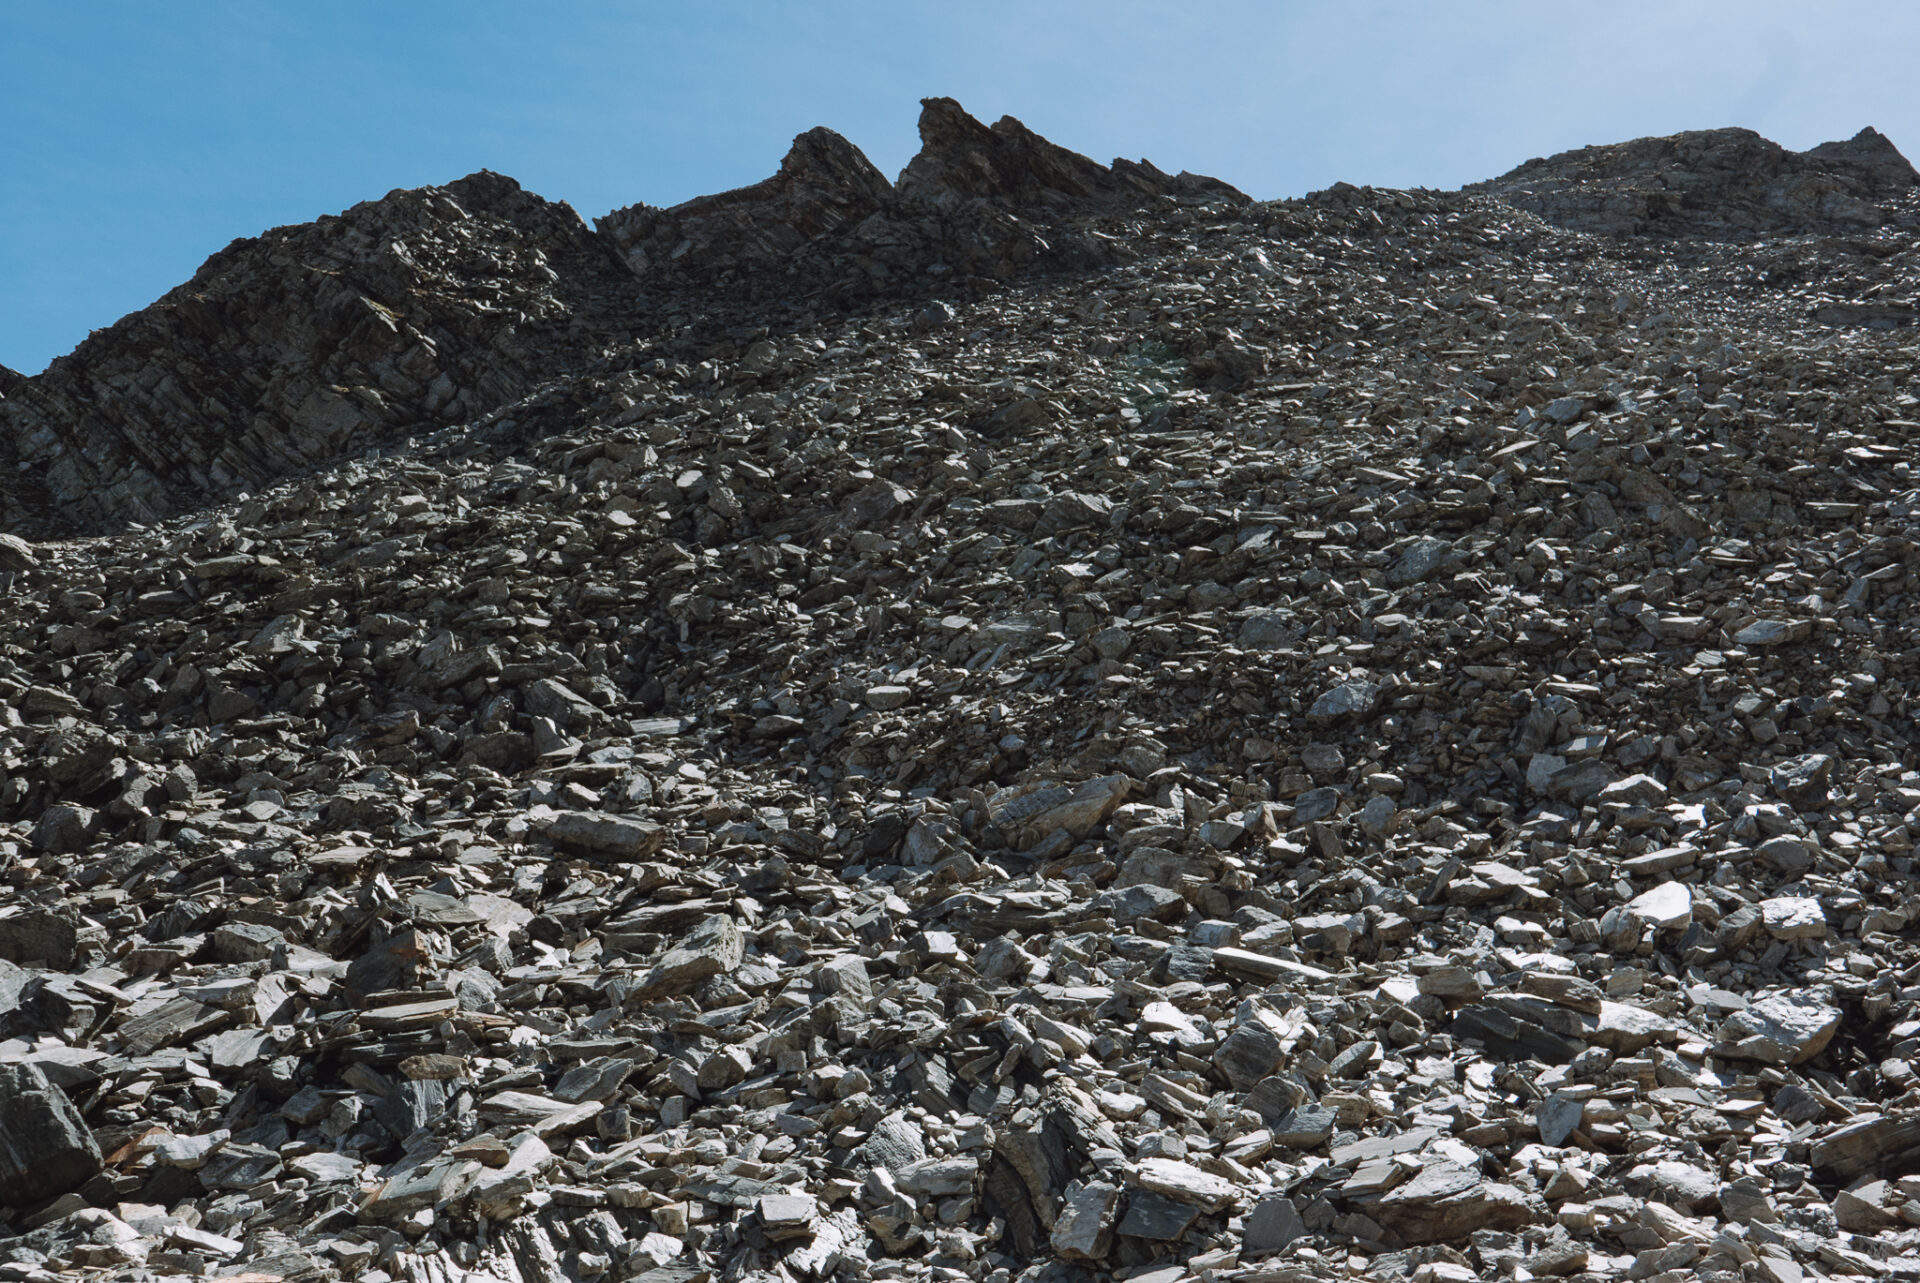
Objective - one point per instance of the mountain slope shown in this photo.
(1367, 736)
(435, 306)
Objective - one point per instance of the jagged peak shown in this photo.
(820, 167)
(1008, 163)
(423, 306)
(1873, 153)
(961, 157)
(823, 181)
(820, 156)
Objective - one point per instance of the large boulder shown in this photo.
(45, 1147)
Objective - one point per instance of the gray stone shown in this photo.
(1793, 917)
(36, 937)
(62, 829)
(608, 835)
(1445, 1200)
(1272, 1225)
(1247, 1055)
(1419, 561)
(1270, 630)
(1348, 701)
(1156, 1217)
(938, 1177)
(1802, 780)
(1558, 1117)
(1667, 907)
(1083, 1231)
(1781, 1028)
(45, 1147)
(713, 948)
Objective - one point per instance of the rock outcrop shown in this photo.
(824, 183)
(308, 343)
(986, 202)
(1715, 182)
(1009, 165)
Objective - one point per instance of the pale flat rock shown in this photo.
(1668, 906)
(1182, 1182)
(613, 836)
(1794, 917)
(884, 699)
(1781, 1029)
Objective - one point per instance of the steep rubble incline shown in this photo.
(305, 344)
(1715, 182)
(1373, 740)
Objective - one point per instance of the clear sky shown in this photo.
(137, 137)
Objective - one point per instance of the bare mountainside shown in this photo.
(1036, 721)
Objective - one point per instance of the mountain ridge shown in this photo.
(1706, 182)
(168, 407)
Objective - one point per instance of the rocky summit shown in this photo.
(1034, 721)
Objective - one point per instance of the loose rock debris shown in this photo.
(1041, 721)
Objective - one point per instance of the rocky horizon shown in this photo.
(997, 201)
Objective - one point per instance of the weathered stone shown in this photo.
(1445, 1200)
(45, 1147)
(1182, 1181)
(1782, 1028)
(1083, 1231)
(1043, 712)
(1793, 918)
(612, 836)
(1272, 1225)
(39, 938)
(1348, 701)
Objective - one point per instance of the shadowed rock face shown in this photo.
(1010, 164)
(1717, 182)
(1871, 156)
(823, 183)
(960, 158)
(992, 202)
(305, 343)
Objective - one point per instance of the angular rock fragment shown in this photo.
(45, 1147)
(1445, 1200)
(1781, 1028)
(711, 949)
(1083, 1231)
(1346, 702)
(607, 835)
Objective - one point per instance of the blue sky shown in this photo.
(137, 138)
